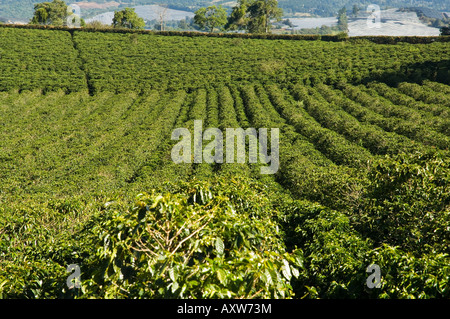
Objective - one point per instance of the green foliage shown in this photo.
(407, 276)
(254, 15)
(207, 241)
(37, 243)
(238, 18)
(97, 25)
(27, 63)
(50, 13)
(127, 18)
(120, 60)
(261, 12)
(323, 30)
(333, 252)
(211, 17)
(409, 245)
(445, 31)
(343, 20)
(381, 112)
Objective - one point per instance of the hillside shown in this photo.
(23, 9)
(87, 175)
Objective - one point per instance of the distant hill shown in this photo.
(330, 7)
(147, 12)
(23, 9)
(429, 13)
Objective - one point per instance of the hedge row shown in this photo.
(312, 37)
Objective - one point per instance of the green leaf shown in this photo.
(298, 258)
(268, 280)
(285, 269)
(183, 289)
(295, 272)
(263, 277)
(220, 246)
(174, 287)
(222, 275)
(172, 274)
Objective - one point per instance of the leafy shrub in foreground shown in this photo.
(208, 241)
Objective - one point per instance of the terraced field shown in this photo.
(363, 175)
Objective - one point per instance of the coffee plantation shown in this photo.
(87, 177)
